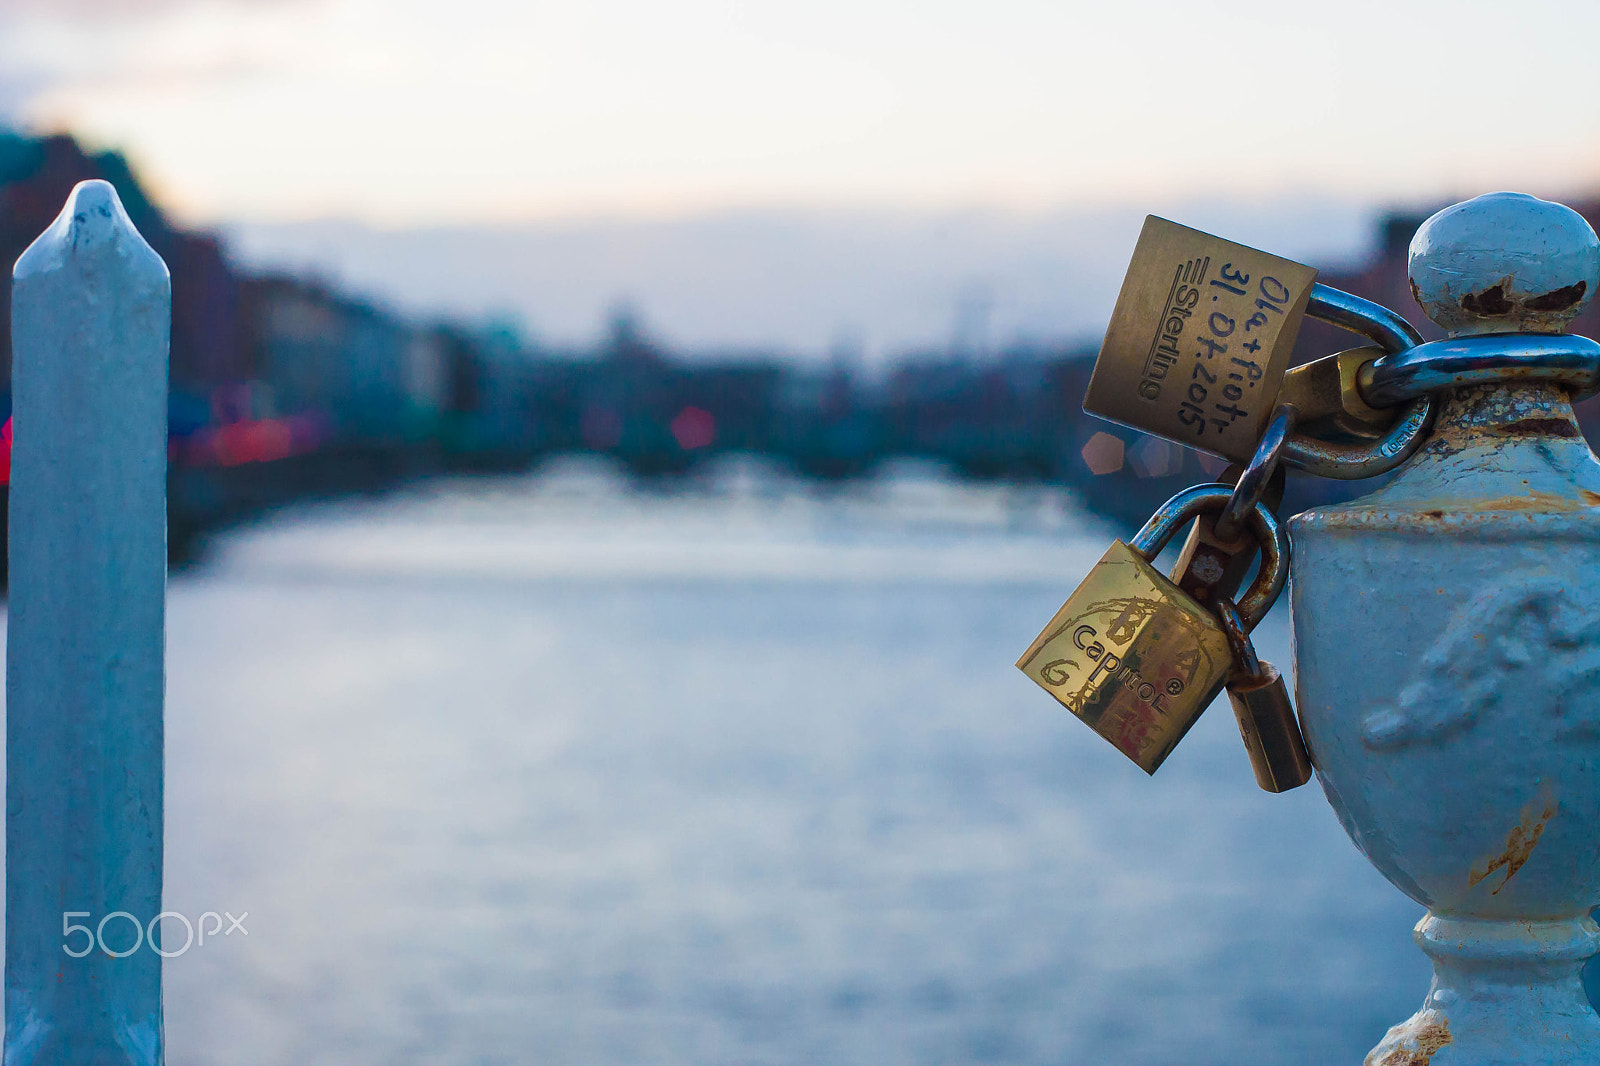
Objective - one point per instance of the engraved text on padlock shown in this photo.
(1199, 340)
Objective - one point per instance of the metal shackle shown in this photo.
(1373, 321)
(1268, 531)
(1253, 480)
(1244, 649)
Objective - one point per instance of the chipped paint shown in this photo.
(1493, 302)
(1539, 427)
(1558, 299)
(1413, 1042)
(1497, 300)
(1480, 436)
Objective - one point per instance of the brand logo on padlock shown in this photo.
(1086, 638)
(1132, 656)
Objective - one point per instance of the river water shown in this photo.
(560, 770)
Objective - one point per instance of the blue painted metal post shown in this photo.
(1447, 634)
(91, 311)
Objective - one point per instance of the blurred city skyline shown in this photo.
(861, 179)
(865, 287)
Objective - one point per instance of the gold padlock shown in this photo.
(1328, 389)
(1199, 340)
(1132, 655)
(1267, 723)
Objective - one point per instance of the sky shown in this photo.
(275, 118)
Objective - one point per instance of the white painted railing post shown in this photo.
(91, 311)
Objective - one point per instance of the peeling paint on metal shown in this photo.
(1477, 429)
(1503, 261)
(1413, 1042)
(1491, 302)
(1539, 427)
(1559, 299)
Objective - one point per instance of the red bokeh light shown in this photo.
(694, 428)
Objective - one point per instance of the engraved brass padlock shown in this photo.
(1267, 723)
(1328, 389)
(1134, 656)
(1199, 340)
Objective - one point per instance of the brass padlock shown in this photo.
(1135, 657)
(1266, 718)
(1199, 339)
(1328, 389)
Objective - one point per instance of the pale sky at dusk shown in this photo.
(412, 111)
(401, 115)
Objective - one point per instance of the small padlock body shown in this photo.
(1131, 655)
(1270, 731)
(1209, 566)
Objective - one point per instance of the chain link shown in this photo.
(1412, 372)
(1476, 360)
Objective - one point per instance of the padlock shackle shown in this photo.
(1252, 483)
(1373, 321)
(1207, 499)
(1244, 650)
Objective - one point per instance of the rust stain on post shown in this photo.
(1519, 845)
(1536, 502)
(1539, 427)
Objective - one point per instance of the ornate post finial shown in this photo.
(1504, 262)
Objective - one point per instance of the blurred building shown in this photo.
(283, 387)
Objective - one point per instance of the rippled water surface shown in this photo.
(554, 770)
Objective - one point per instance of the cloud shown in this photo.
(82, 9)
(58, 57)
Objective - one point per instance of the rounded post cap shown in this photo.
(1504, 262)
(91, 226)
